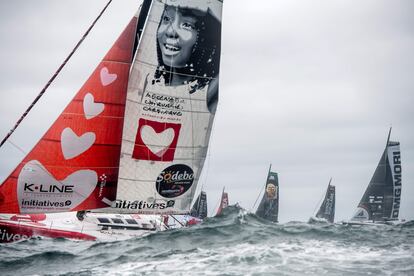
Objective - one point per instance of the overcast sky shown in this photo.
(309, 86)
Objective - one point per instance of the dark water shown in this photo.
(236, 243)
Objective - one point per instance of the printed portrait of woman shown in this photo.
(268, 207)
(271, 191)
(188, 48)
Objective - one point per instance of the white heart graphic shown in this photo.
(73, 145)
(39, 191)
(90, 107)
(157, 143)
(106, 78)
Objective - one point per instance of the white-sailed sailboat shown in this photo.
(381, 200)
(326, 210)
(130, 146)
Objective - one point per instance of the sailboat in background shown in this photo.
(224, 202)
(269, 205)
(381, 200)
(326, 210)
(199, 210)
(131, 145)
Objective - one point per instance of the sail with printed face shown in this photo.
(199, 209)
(224, 202)
(381, 200)
(327, 209)
(75, 164)
(269, 205)
(171, 101)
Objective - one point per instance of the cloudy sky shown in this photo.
(309, 86)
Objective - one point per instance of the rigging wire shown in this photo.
(54, 76)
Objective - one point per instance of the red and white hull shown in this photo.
(94, 226)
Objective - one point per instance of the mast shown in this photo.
(388, 138)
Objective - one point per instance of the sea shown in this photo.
(235, 243)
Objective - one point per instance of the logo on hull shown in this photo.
(11, 237)
(141, 204)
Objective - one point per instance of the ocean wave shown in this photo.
(235, 243)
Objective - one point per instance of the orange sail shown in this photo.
(224, 202)
(75, 164)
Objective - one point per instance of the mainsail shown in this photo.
(199, 209)
(381, 200)
(171, 101)
(224, 202)
(269, 206)
(134, 139)
(327, 208)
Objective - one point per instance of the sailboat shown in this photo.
(326, 210)
(198, 212)
(380, 203)
(269, 205)
(129, 148)
(199, 209)
(224, 202)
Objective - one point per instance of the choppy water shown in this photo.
(233, 244)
